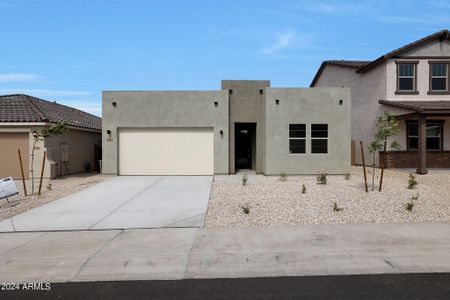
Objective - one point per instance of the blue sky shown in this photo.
(69, 51)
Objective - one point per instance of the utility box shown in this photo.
(64, 152)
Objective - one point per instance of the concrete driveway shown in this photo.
(123, 202)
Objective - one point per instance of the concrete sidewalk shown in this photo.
(178, 253)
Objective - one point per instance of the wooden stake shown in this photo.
(382, 167)
(23, 176)
(364, 166)
(42, 172)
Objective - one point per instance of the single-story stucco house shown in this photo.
(245, 125)
(68, 153)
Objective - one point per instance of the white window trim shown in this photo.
(320, 138)
(295, 138)
(438, 77)
(404, 76)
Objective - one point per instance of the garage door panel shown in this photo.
(166, 151)
(9, 160)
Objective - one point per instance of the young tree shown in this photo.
(387, 126)
(56, 129)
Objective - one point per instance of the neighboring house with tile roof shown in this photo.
(413, 82)
(67, 153)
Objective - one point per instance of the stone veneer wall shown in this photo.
(409, 159)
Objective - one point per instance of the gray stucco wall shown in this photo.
(246, 106)
(307, 106)
(140, 109)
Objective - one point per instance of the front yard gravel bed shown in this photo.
(275, 202)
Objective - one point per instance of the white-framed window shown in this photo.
(438, 77)
(319, 138)
(406, 77)
(297, 138)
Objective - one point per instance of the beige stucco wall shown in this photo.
(81, 145)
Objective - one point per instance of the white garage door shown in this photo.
(166, 151)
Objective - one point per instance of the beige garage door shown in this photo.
(166, 151)
(9, 160)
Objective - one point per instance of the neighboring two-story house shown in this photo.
(413, 83)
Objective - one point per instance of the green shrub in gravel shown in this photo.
(409, 206)
(348, 176)
(246, 208)
(49, 186)
(412, 182)
(322, 178)
(303, 189)
(336, 208)
(283, 176)
(244, 180)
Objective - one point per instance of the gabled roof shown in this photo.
(356, 64)
(441, 36)
(364, 66)
(24, 108)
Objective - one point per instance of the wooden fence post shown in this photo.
(23, 176)
(364, 166)
(42, 172)
(382, 166)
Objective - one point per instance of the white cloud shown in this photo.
(20, 77)
(283, 40)
(45, 92)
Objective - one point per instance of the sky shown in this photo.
(70, 51)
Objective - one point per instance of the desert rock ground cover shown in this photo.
(58, 188)
(276, 202)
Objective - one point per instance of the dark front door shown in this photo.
(244, 135)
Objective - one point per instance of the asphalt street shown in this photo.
(386, 286)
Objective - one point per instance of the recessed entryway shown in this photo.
(245, 146)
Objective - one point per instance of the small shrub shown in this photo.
(303, 189)
(415, 197)
(322, 178)
(412, 182)
(336, 208)
(246, 208)
(283, 176)
(409, 206)
(49, 186)
(244, 180)
(348, 176)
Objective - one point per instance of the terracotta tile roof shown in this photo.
(24, 108)
(419, 106)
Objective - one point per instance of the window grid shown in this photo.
(406, 72)
(297, 139)
(320, 133)
(439, 71)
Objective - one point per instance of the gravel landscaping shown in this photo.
(276, 202)
(60, 187)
